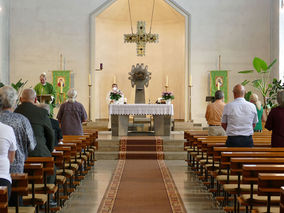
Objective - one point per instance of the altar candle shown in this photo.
(167, 81)
(114, 79)
(90, 80)
(190, 80)
(218, 85)
(61, 87)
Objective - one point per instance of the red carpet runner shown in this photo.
(141, 181)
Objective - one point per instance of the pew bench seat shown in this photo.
(261, 209)
(258, 199)
(22, 209)
(40, 199)
(232, 188)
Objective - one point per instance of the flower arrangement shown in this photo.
(115, 95)
(168, 96)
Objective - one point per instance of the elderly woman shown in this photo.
(8, 147)
(254, 99)
(21, 125)
(71, 115)
(275, 122)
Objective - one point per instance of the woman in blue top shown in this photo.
(259, 109)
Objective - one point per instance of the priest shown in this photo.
(44, 88)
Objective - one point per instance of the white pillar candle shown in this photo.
(90, 79)
(114, 79)
(167, 81)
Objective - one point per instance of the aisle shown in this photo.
(141, 182)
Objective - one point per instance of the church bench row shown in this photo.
(260, 149)
(68, 157)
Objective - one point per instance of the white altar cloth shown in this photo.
(141, 109)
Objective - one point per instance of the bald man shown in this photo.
(40, 123)
(239, 119)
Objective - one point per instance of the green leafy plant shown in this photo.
(272, 94)
(262, 83)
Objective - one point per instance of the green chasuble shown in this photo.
(44, 90)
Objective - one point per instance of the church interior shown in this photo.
(148, 97)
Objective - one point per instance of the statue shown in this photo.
(140, 77)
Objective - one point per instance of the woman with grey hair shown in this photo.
(21, 125)
(275, 122)
(25, 140)
(71, 115)
(254, 99)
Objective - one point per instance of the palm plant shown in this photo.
(263, 82)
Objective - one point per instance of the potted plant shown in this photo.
(263, 82)
(168, 97)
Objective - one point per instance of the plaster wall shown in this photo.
(237, 30)
(4, 41)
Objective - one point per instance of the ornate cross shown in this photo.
(141, 38)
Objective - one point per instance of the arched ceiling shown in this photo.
(141, 10)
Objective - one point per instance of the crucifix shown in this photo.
(141, 38)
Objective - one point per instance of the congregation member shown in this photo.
(21, 126)
(40, 123)
(45, 88)
(8, 147)
(239, 119)
(275, 122)
(55, 125)
(71, 115)
(22, 129)
(214, 113)
(254, 99)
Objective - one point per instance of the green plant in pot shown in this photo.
(263, 82)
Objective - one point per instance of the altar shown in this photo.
(120, 117)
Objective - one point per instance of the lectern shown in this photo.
(44, 99)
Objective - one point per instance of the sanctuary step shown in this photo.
(173, 146)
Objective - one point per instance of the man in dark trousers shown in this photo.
(41, 125)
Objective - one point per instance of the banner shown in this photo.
(219, 81)
(61, 84)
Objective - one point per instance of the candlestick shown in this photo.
(218, 85)
(167, 81)
(61, 87)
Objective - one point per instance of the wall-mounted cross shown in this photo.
(141, 38)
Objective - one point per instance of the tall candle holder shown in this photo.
(189, 95)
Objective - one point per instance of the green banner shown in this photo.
(61, 84)
(219, 81)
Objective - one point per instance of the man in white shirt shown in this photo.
(239, 119)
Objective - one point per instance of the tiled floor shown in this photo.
(89, 194)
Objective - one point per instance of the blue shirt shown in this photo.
(239, 115)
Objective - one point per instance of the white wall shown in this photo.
(41, 30)
(4, 41)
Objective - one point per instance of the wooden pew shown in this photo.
(35, 176)
(282, 199)
(3, 199)
(48, 170)
(20, 188)
(250, 176)
(269, 185)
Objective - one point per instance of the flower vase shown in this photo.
(168, 101)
